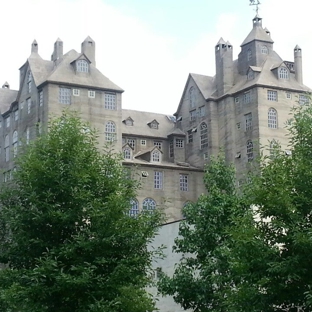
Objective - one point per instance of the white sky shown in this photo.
(148, 47)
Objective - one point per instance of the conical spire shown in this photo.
(6, 85)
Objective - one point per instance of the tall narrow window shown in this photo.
(303, 99)
(110, 131)
(149, 204)
(40, 98)
(248, 122)
(203, 135)
(134, 211)
(7, 148)
(16, 115)
(15, 141)
(156, 156)
(27, 135)
(246, 97)
(272, 118)
(127, 153)
(283, 73)
(249, 150)
(264, 49)
(82, 66)
(158, 180)
(171, 149)
(64, 95)
(29, 80)
(192, 97)
(8, 121)
(131, 142)
(28, 105)
(110, 101)
(184, 182)
(249, 55)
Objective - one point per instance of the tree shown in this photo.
(67, 240)
(250, 249)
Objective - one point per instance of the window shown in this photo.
(149, 204)
(158, 180)
(179, 143)
(171, 149)
(7, 148)
(16, 115)
(264, 50)
(15, 142)
(40, 98)
(27, 135)
(272, 118)
(272, 95)
(0, 124)
(302, 99)
(143, 142)
(91, 94)
(76, 92)
(250, 75)
(288, 95)
(183, 182)
(249, 55)
(134, 210)
(203, 135)
(28, 101)
(236, 100)
(189, 136)
(156, 156)
(82, 66)
(29, 80)
(238, 126)
(39, 128)
(249, 150)
(273, 148)
(283, 73)
(153, 124)
(206, 156)
(248, 121)
(64, 95)
(110, 101)
(193, 115)
(22, 105)
(201, 111)
(127, 153)
(246, 97)
(129, 122)
(131, 142)
(158, 144)
(192, 97)
(8, 121)
(110, 131)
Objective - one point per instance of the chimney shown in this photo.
(88, 48)
(57, 55)
(298, 63)
(34, 47)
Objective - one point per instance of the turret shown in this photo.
(34, 47)
(57, 54)
(224, 66)
(88, 48)
(298, 63)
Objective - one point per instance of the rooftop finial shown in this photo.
(256, 3)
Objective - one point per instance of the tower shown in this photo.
(34, 47)
(88, 48)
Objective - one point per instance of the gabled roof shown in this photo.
(176, 131)
(146, 151)
(7, 97)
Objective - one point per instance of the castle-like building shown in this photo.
(243, 107)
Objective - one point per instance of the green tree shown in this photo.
(250, 250)
(67, 240)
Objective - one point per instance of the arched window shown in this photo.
(82, 66)
(156, 156)
(192, 96)
(264, 50)
(110, 131)
(272, 118)
(7, 148)
(249, 150)
(249, 55)
(283, 73)
(149, 204)
(203, 135)
(15, 142)
(134, 210)
(127, 153)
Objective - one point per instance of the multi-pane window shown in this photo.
(201, 111)
(134, 210)
(248, 121)
(28, 101)
(156, 156)
(76, 92)
(22, 105)
(264, 49)
(149, 204)
(64, 95)
(82, 66)
(203, 135)
(27, 135)
(246, 97)
(272, 95)
(41, 98)
(192, 97)
(171, 149)
(192, 115)
(288, 95)
(7, 148)
(110, 101)
(158, 144)
(110, 131)
(15, 142)
(158, 180)
(179, 143)
(190, 136)
(272, 118)
(8, 121)
(91, 94)
(29, 80)
(143, 142)
(131, 142)
(250, 75)
(302, 99)
(249, 55)
(206, 156)
(127, 153)
(283, 73)
(183, 182)
(249, 150)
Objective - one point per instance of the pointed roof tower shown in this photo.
(34, 47)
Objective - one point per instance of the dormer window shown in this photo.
(250, 75)
(128, 121)
(127, 153)
(153, 124)
(82, 66)
(156, 156)
(283, 73)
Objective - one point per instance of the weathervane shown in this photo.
(256, 3)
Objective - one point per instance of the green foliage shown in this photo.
(250, 250)
(67, 240)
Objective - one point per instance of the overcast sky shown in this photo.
(148, 47)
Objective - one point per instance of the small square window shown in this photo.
(76, 92)
(158, 144)
(288, 95)
(91, 94)
(143, 142)
(179, 143)
(272, 95)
